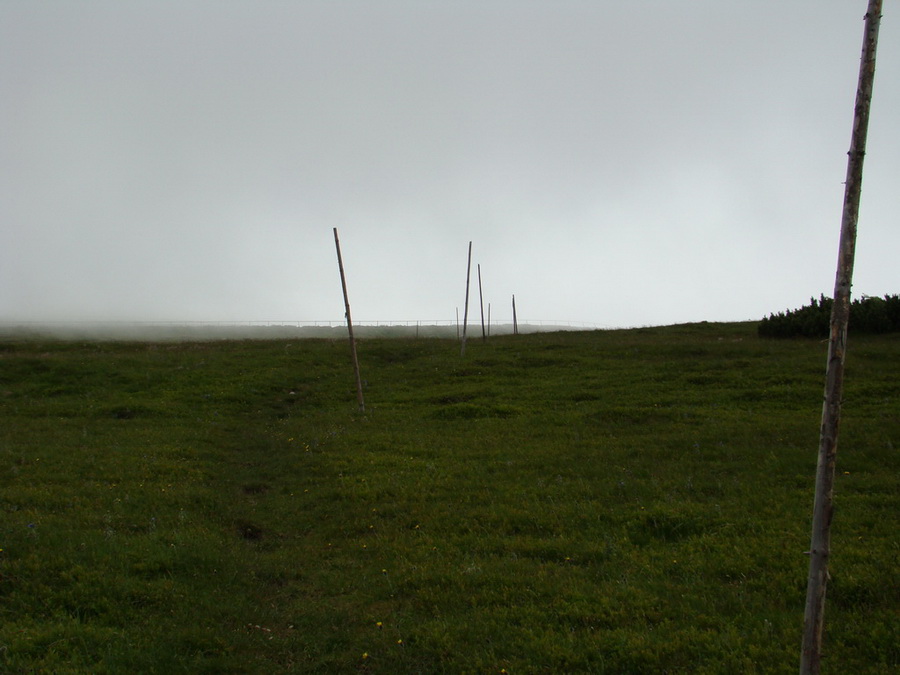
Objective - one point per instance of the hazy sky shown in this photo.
(621, 163)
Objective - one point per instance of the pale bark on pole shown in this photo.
(481, 301)
(359, 391)
(462, 350)
(823, 507)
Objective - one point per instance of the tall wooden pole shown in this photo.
(481, 301)
(515, 321)
(462, 351)
(823, 507)
(359, 392)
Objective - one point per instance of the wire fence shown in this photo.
(140, 330)
(322, 323)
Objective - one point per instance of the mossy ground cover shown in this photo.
(599, 502)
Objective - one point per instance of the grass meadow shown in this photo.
(578, 502)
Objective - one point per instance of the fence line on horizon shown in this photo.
(262, 328)
(324, 323)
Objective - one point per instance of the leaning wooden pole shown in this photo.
(359, 391)
(481, 301)
(515, 320)
(823, 507)
(462, 350)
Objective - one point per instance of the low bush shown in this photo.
(869, 314)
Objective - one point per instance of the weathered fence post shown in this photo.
(462, 351)
(515, 321)
(481, 301)
(359, 392)
(823, 507)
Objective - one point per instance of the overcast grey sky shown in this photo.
(627, 163)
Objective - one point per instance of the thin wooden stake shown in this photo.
(359, 392)
(481, 300)
(462, 351)
(823, 507)
(515, 322)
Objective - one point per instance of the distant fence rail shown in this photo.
(271, 329)
(290, 323)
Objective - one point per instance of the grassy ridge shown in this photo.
(619, 502)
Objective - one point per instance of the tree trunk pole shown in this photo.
(823, 507)
(359, 392)
(462, 351)
(481, 301)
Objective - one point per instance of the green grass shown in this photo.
(601, 502)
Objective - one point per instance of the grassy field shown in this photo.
(600, 502)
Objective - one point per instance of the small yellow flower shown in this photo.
(378, 624)
(365, 655)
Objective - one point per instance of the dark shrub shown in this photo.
(868, 314)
